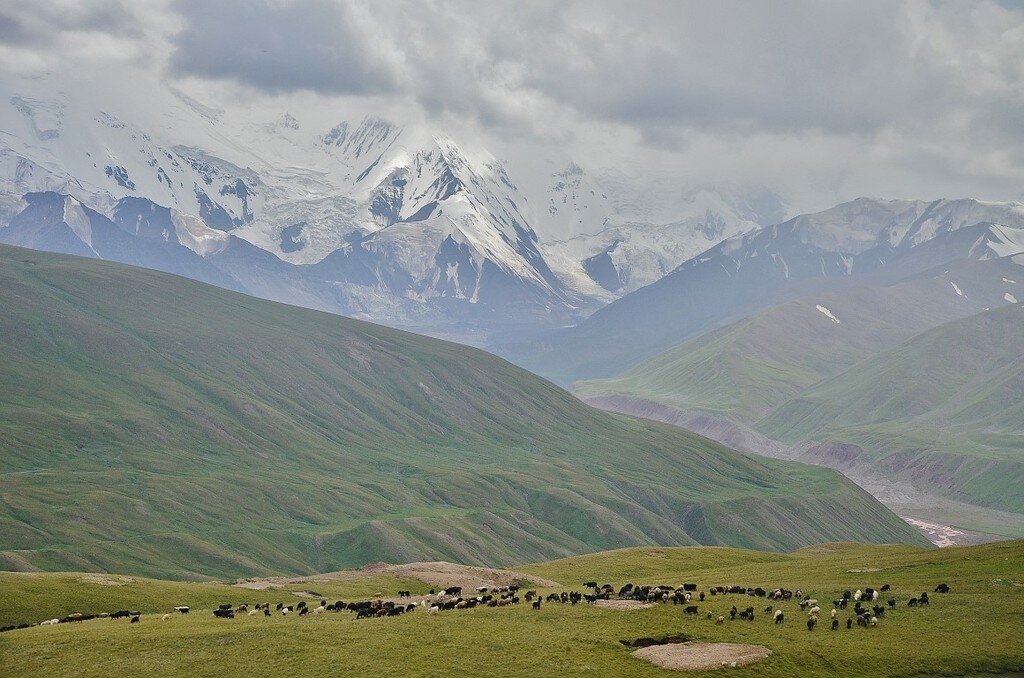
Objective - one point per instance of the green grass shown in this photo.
(155, 425)
(976, 629)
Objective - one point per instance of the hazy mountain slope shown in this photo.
(156, 424)
(746, 369)
(945, 409)
(862, 242)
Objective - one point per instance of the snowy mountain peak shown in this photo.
(367, 139)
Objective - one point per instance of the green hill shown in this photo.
(946, 407)
(915, 382)
(750, 367)
(157, 425)
(972, 630)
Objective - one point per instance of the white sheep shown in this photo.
(874, 621)
(252, 612)
(49, 622)
(433, 609)
(167, 616)
(874, 595)
(813, 612)
(858, 595)
(833, 613)
(320, 610)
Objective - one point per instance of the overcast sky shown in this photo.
(821, 100)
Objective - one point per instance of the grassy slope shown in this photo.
(946, 403)
(975, 629)
(898, 376)
(747, 368)
(152, 424)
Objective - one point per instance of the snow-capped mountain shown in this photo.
(633, 247)
(367, 217)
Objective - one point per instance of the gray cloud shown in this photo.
(911, 97)
(842, 67)
(279, 47)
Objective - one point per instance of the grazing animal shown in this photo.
(183, 609)
(811, 621)
(690, 609)
(892, 603)
(849, 622)
(924, 598)
(266, 611)
(885, 587)
(835, 624)
(912, 602)
(779, 617)
(536, 604)
(874, 621)
(48, 622)
(165, 617)
(225, 606)
(224, 614)
(942, 588)
(721, 620)
(135, 619)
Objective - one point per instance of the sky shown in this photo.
(821, 101)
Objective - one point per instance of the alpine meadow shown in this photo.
(535, 338)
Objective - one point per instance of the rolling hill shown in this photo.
(749, 367)
(944, 408)
(153, 424)
(916, 382)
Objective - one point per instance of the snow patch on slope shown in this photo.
(827, 313)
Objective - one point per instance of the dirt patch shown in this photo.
(623, 604)
(105, 580)
(443, 575)
(701, 656)
(438, 574)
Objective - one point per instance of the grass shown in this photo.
(154, 425)
(976, 629)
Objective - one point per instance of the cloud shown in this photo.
(854, 96)
(319, 45)
(59, 34)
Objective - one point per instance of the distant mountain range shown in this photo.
(882, 339)
(864, 242)
(156, 424)
(368, 219)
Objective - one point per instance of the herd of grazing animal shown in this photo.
(866, 610)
